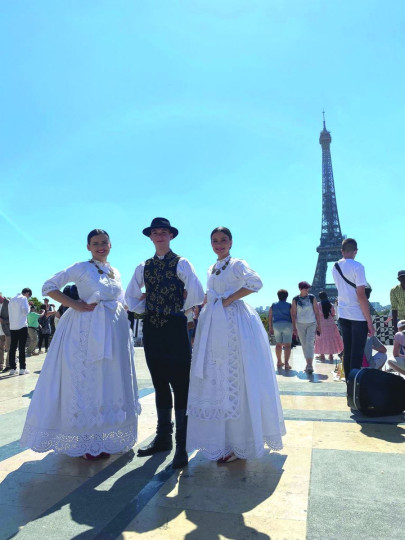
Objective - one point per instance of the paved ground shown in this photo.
(338, 476)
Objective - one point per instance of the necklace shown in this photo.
(109, 274)
(217, 271)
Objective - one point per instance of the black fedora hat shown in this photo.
(160, 223)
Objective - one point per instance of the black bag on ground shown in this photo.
(376, 393)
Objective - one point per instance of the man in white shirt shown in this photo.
(172, 287)
(353, 308)
(18, 310)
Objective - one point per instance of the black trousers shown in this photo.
(167, 352)
(354, 334)
(43, 338)
(18, 339)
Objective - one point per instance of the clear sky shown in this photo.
(207, 112)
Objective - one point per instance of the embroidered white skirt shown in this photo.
(234, 403)
(81, 406)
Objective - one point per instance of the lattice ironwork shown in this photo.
(331, 234)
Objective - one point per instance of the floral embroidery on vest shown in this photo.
(164, 290)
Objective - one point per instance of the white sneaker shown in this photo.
(12, 372)
(24, 371)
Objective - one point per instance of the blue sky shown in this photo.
(205, 112)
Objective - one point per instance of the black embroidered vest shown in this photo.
(164, 290)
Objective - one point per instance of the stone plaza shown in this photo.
(340, 475)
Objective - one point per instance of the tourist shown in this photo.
(234, 406)
(306, 322)
(280, 325)
(398, 364)
(18, 310)
(44, 331)
(329, 341)
(5, 338)
(32, 321)
(86, 399)
(172, 287)
(353, 308)
(397, 298)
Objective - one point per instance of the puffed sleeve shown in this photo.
(251, 280)
(72, 274)
(195, 292)
(134, 292)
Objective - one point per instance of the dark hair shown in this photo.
(224, 230)
(325, 304)
(282, 294)
(95, 232)
(24, 291)
(71, 291)
(349, 245)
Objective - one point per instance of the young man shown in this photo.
(397, 298)
(353, 308)
(172, 287)
(18, 310)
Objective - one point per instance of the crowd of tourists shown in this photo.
(223, 391)
(317, 324)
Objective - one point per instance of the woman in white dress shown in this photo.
(233, 404)
(86, 399)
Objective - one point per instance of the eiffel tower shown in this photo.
(331, 234)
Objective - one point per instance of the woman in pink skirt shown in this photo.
(330, 341)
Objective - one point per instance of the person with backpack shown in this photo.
(353, 307)
(306, 321)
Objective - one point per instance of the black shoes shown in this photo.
(163, 440)
(180, 459)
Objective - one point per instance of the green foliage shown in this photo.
(383, 312)
(265, 320)
(34, 300)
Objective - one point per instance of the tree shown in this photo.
(35, 302)
(265, 321)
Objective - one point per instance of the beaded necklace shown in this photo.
(109, 274)
(217, 271)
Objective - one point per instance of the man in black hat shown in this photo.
(397, 298)
(172, 287)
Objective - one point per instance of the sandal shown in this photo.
(90, 457)
(309, 369)
(287, 366)
(280, 365)
(227, 459)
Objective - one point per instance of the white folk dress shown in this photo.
(86, 398)
(234, 403)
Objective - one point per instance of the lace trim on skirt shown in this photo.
(110, 440)
(251, 451)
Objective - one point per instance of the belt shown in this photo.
(34, 327)
(100, 333)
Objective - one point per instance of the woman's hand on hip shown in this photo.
(79, 305)
(227, 301)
